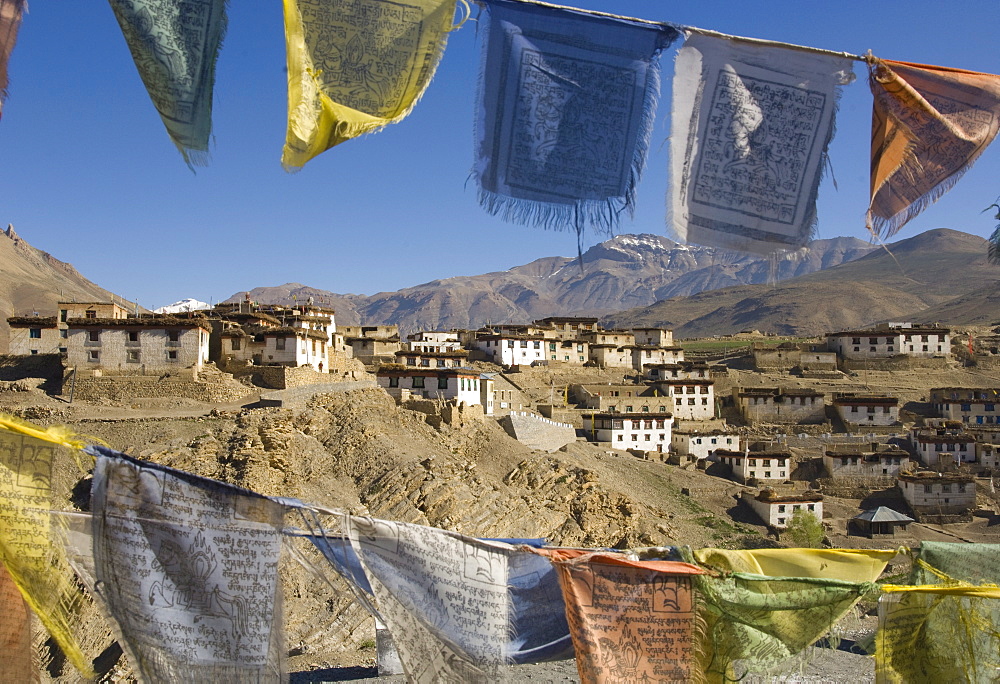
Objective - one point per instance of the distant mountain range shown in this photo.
(938, 276)
(636, 280)
(623, 272)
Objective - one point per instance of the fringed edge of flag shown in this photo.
(198, 155)
(886, 226)
(601, 215)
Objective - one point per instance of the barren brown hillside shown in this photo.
(33, 281)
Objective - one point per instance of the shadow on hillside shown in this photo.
(742, 513)
(337, 674)
(890, 498)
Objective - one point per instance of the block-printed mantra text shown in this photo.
(363, 52)
(756, 147)
(570, 126)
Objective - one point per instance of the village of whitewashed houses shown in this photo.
(560, 428)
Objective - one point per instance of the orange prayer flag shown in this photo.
(15, 633)
(629, 620)
(929, 125)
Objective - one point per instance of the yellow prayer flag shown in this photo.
(36, 561)
(849, 565)
(355, 67)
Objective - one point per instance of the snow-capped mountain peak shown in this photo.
(182, 306)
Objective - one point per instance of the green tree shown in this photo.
(805, 530)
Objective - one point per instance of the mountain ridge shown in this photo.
(33, 281)
(631, 280)
(908, 280)
(623, 272)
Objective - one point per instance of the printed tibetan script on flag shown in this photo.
(188, 568)
(536, 630)
(175, 45)
(631, 621)
(929, 126)
(356, 67)
(443, 597)
(749, 131)
(567, 102)
(30, 543)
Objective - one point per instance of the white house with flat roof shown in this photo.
(931, 493)
(865, 460)
(642, 431)
(777, 405)
(776, 509)
(512, 350)
(972, 405)
(930, 444)
(703, 445)
(433, 359)
(857, 409)
(463, 385)
(150, 344)
(432, 341)
(886, 342)
(690, 398)
(773, 464)
(656, 337)
(677, 371)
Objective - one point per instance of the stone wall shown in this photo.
(775, 359)
(812, 374)
(991, 362)
(444, 412)
(300, 395)
(286, 377)
(856, 487)
(897, 363)
(536, 432)
(125, 387)
(564, 414)
(931, 518)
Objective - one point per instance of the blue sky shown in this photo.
(88, 173)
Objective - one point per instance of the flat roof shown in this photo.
(650, 415)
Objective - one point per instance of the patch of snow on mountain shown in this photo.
(182, 306)
(650, 242)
